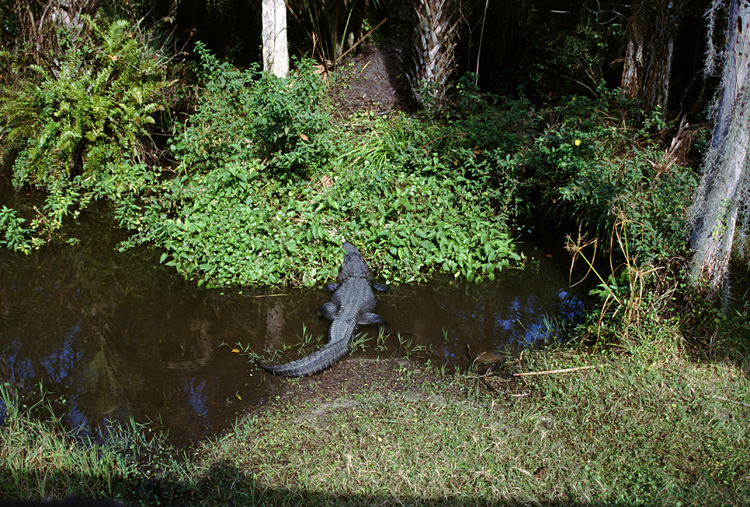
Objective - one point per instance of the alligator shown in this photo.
(350, 306)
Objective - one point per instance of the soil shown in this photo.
(352, 376)
(391, 378)
(374, 79)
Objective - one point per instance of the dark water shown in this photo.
(114, 335)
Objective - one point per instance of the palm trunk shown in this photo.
(435, 59)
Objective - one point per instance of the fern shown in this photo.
(87, 121)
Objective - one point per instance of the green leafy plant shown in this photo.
(91, 115)
(561, 59)
(413, 194)
(82, 129)
(247, 115)
(15, 236)
(594, 171)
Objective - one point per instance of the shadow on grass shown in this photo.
(221, 485)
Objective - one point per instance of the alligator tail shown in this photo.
(314, 363)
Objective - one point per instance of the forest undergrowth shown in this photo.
(645, 403)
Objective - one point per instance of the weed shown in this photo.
(15, 236)
(246, 116)
(360, 341)
(44, 460)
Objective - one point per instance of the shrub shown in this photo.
(92, 115)
(561, 59)
(596, 172)
(235, 225)
(84, 131)
(414, 195)
(248, 115)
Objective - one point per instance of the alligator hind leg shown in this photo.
(371, 319)
(329, 310)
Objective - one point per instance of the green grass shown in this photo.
(643, 427)
(626, 432)
(40, 459)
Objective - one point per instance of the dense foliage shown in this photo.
(261, 201)
(245, 115)
(268, 180)
(268, 183)
(596, 171)
(81, 128)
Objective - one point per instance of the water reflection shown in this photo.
(118, 336)
(462, 320)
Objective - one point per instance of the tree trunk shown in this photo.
(648, 61)
(66, 13)
(718, 213)
(434, 53)
(275, 51)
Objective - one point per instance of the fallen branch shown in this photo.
(732, 401)
(549, 372)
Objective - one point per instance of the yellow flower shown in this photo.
(577, 142)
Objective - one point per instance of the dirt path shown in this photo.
(373, 80)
